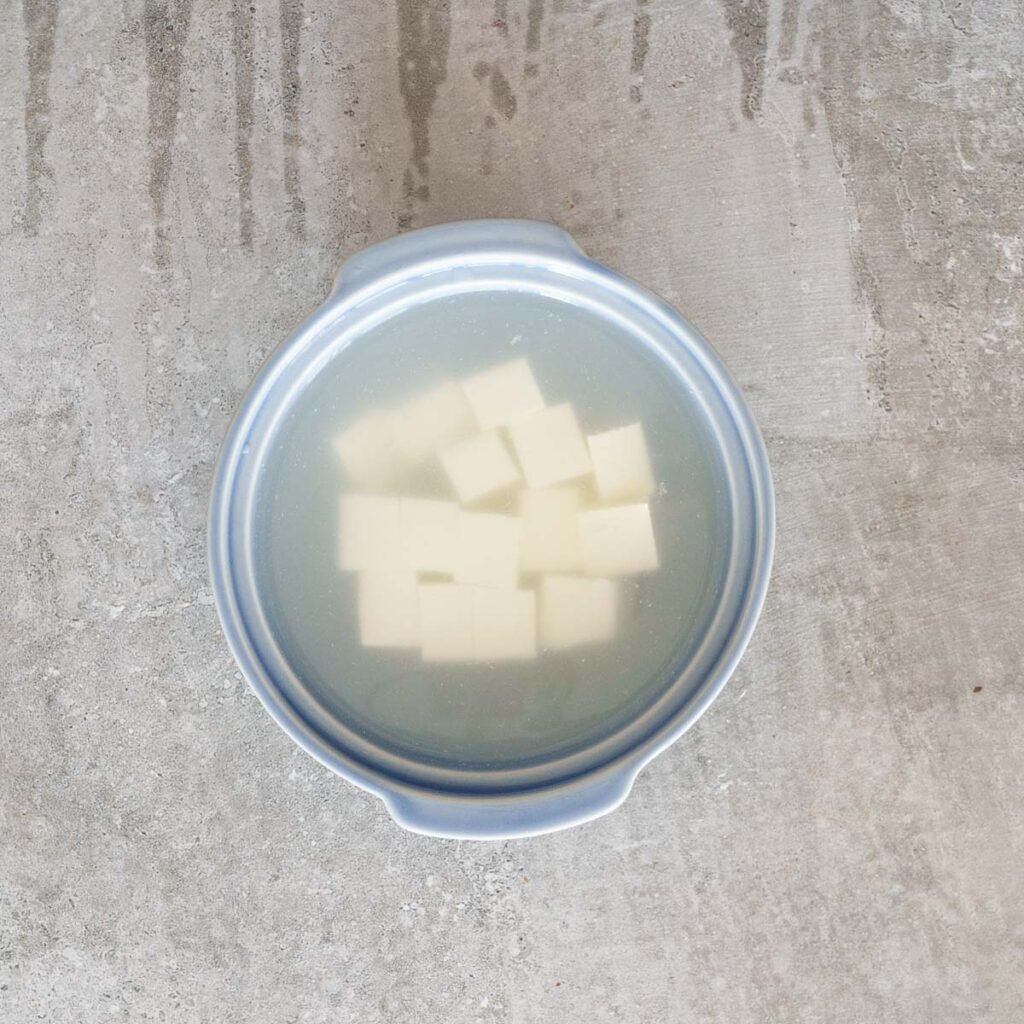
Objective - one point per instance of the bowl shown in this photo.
(492, 753)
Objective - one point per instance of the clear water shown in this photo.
(515, 712)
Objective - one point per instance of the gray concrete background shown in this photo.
(833, 192)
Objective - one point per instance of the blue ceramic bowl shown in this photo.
(522, 799)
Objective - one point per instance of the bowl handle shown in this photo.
(511, 817)
(529, 239)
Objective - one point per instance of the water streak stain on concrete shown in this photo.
(165, 27)
(413, 191)
(242, 25)
(502, 98)
(810, 121)
(534, 21)
(748, 23)
(788, 29)
(641, 44)
(40, 18)
(501, 17)
(291, 104)
(424, 34)
(845, 139)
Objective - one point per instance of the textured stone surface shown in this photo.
(832, 191)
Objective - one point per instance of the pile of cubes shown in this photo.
(459, 583)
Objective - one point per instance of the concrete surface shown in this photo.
(832, 191)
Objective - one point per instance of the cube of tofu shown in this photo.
(618, 541)
(576, 611)
(433, 421)
(488, 550)
(550, 540)
(369, 452)
(479, 467)
(389, 609)
(370, 535)
(446, 622)
(550, 446)
(503, 394)
(430, 533)
(622, 467)
(504, 625)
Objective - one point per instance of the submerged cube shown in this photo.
(488, 550)
(433, 421)
(479, 467)
(575, 611)
(430, 534)
(550, 446)
(389, 609)
(550, 540)
(503, 394)
(369, 534)
(622, 466)
(504, 625)
(369, 452)
(446, 622)
(618, 541)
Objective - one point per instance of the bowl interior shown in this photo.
(483, 725)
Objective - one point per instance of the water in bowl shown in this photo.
(509, 713)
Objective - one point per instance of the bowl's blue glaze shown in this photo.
(447, 801)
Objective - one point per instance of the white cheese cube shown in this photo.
(370, 535)
(433, 421)
(622, 466)
(503, 393)
(389, 609)
(575, 611)
(550, 540)
(488, 550)
(550, 446)
(618, 541)
(446, 622)
(504, 625)
(369, 451)
(430, 533)
(479, 467)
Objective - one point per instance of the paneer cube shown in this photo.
(550, 540)
(618, 541)
(389, 609)
(503, 394)
(504, 625)
(575, 611)
(550, 446)
(446, 622)
(622, 467)
(369, 451)
(479, 467)
(488, 550)
(370, 534)
(430, 533)
(433, 421)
